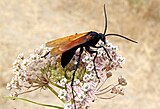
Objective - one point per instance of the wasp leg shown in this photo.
(91, 51)
(73, 76)
(45, 55)
(104, 50)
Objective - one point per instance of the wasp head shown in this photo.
(102, 37)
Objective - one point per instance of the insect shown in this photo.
(67, 46)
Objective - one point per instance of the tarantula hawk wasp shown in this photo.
(68, 45)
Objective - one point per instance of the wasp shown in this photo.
(68, 45)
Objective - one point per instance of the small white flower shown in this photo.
(24, 64)
(80, 96)
(100, 52)
(40, 50)
(90, 66)
(92, 75)
(62, 82)
(101, 42)
(16, 71)
(68, 106)
(8, 87)
(86, 87)
(114, 48)
(15, 85)
(76, 82)
(86, 77)
(14, 94)
(120, 59)
(109, 45)
(87, 58)
(62, 94)
(20, 56)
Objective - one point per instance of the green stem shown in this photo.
(56, 85)
(52, 90)
(23, 99)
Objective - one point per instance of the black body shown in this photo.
(67, 56)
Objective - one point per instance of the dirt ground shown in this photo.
(26, 24)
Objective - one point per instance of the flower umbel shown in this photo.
(38, 72)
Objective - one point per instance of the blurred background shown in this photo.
(27, 24)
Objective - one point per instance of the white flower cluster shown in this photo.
(39, 70)
(28, 70)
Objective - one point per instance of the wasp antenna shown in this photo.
(121, 37)
(105, 14)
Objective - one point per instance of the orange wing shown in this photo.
(76, 42)
(65, 47)
(56, 51)
(61, 41)
(63, 44)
